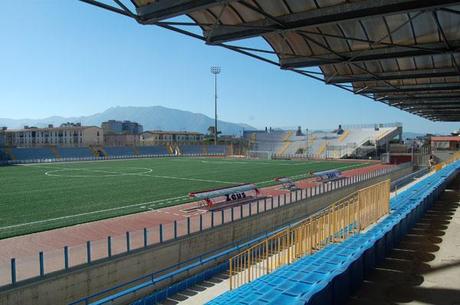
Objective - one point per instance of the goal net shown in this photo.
(258, 154)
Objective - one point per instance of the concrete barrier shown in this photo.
(66, 287)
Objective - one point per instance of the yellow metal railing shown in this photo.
(283, 149)
(321, 149)
(286, 144)
(342, 219)
(288, 135)
(344, 135)
(453, 158)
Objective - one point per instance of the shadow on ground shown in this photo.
(399, 278)
(184, 295)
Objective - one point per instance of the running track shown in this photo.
(26, 248)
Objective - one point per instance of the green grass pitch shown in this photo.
(44, 196)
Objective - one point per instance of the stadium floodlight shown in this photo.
(215, 70)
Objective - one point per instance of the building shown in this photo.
(65, 135)
(2, 136)
(160, 137)
(132, 127)
(121, 139)
(445, 143)
(121, 127)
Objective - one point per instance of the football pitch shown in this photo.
(39, 197)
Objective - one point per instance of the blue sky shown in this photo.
(68, 58)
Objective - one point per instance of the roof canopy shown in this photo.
(405, 53)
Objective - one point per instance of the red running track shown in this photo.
(25, 248)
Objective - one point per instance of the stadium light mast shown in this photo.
(215, 70)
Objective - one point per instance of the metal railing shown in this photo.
(453, 158)
(19, 268)
(115, 157)
(372, 125)
(342, 219)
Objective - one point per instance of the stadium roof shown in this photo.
(404, 53)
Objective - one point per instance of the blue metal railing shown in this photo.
(150, 280)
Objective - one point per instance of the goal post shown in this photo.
(259, 154)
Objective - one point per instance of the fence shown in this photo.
(12, 162)
(339, 221)
(379, 125)
(18, 269)
(453, 158)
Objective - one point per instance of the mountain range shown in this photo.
(152, 118)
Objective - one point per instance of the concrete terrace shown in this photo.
(425, 267)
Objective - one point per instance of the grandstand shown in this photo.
(217, 149)
(191, 149)
(266, 141)
(119, 151)
(153, 150)
(356, 141)
(4, 156)
(39, 153)
(14, 155)
(74, 152)
(125, 232)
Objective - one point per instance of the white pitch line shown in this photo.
(52, 173)
(151, 203)
(156, 202)
(251, 162)
(305, 175)
(188, 179)
(114, 174)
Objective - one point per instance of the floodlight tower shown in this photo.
(215, 70)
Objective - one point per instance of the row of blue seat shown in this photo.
(119, 151)
(153, 150)
(32, 153)
(329, 276)
(3, 155)
(217, 149)
(75, 152)
(41, 153)
(198, 149)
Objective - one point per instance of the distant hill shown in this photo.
(152, 118)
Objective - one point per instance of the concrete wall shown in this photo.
(443, 155)
(63, 288)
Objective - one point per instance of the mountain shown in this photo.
(411, 135)
(152, 118)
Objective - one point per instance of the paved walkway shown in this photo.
(208, 290)
(425, 267)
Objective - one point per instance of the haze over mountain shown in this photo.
(152, 118)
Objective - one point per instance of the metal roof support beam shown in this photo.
(421, 96)
(327, 15)
(413, 88)
(160, 10)
(439, 112)
(368, 55)
(421, 107)
(396, 75)
(425, 104)
(447, 118)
